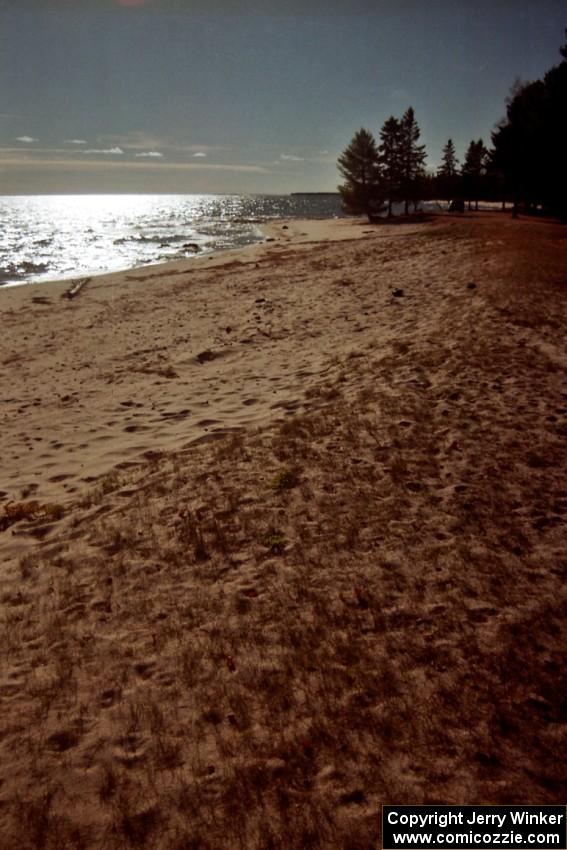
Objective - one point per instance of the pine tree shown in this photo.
(474, 167)
(413, 157)
(359, 165)
(447, 173)
(449, 163)
(530, 143)
(390, 158)
(402, 159)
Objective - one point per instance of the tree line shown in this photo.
(526, 165)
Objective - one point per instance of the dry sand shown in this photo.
(298, 545)
(125, 367)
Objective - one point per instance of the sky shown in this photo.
(248, 95)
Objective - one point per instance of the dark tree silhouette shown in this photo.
(448, 172)
(413, 158)
(359, 165)
(449, 163)
(474, 168)
(518, 145)
(402, 159)
(394, 171)
(530, 144)
(390, 159)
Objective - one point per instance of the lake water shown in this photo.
(67, 236)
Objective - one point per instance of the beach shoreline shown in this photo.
(96, 336)
(56, 347)
(298, 231)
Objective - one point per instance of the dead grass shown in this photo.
(29, 511)
(285, 479)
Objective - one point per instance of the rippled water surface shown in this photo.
(64, 236)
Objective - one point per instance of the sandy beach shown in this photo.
(123, 368)
(298, 542)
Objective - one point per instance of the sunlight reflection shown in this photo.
(61, 236)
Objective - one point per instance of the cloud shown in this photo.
(153, 154)
(324, 157)
(135, 141)
(290, 157)
(106, 152)
(26, 139)
(201, 150)
(75, 142)
(17, 158)
(31, 154)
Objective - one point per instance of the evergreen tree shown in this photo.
(390, 159)
(402, 159)
(474, 168)
(530, 144)
(359, 165)
(554, 178)
(449, 163)
(447, 173)
(412, 157)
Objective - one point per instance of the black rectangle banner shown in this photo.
(479, 827)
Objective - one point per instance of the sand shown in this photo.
(298, 546)
(90, 381)
(160, 357)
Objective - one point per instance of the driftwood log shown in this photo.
(75, 288)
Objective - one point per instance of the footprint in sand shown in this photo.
(249, 592)
(109, 697)
(74, 612)
(145, 669)
(414, 486)
(165, 680)
(63, 740)
(481, 615)
(130, 748)
(286, 405)
(208, 355)
(175, 414)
